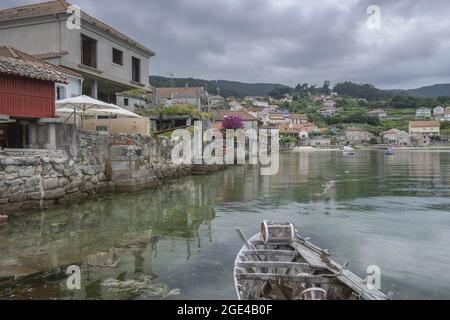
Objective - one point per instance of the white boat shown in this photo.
(349, 151)
(277, 264)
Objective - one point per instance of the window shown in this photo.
(117, 57)
(126, 102)
(136, 72)
(88, 51)
(102, 128)
(60, 93)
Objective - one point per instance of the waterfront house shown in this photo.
(134, 100)
(423, 113)
(108, 60)
(27, 100)
(438, 113)
(424, 133)
(357, 135)
(395, 137)
(298, 118)
(378, 113)
(194, 96)
(250, 122)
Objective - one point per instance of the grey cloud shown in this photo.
(287, 41)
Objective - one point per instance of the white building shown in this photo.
(423, 113)
(298, 118)
(438, 112)
(74, 86)
(134, 100)
(330, 104)
(378, 113)
(260, 104)
(327, 111)
(194, 96)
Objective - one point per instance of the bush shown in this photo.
(233, 122)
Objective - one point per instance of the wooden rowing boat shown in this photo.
(294, 269)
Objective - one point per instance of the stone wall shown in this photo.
(96, 163)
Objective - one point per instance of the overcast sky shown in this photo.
(286, 41)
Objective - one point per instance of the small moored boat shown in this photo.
(278, 264)
(389, 152)
(348, 151)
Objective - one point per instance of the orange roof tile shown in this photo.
(18, 63)
(421, 124)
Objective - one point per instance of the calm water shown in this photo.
(178, 241)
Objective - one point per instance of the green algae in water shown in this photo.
(142, 286)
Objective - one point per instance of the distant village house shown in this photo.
(357, 136)
(423, 113)
(395, 137)
(194, 96)
(424, 133)
(378, 113)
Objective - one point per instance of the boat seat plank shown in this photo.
(272, 264)
(281, 253)
(287, 278)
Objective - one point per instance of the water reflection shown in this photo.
(109, 235)
(178, 241)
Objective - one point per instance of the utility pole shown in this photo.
(172, 82)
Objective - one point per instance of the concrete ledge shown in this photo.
(51, 120)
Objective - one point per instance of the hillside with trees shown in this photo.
(223, 87)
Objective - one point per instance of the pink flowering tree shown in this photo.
(233, 122)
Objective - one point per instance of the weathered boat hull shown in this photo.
(297, 271)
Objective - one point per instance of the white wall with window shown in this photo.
(72, 89)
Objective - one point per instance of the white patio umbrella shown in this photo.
(89, 106)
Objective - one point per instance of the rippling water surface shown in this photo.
(178, 241)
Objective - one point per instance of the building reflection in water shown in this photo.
(93, 234)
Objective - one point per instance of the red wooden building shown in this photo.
(27, 94)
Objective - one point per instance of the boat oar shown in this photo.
(244, 239)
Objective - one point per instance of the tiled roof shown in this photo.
(51, 55)
(60, 7)
(421, 124)
(245, 116)
(137, 93)
(183, 92)
(391, 131)
(355, 129)
(298, 116)
(18, 63)
(308, 127)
